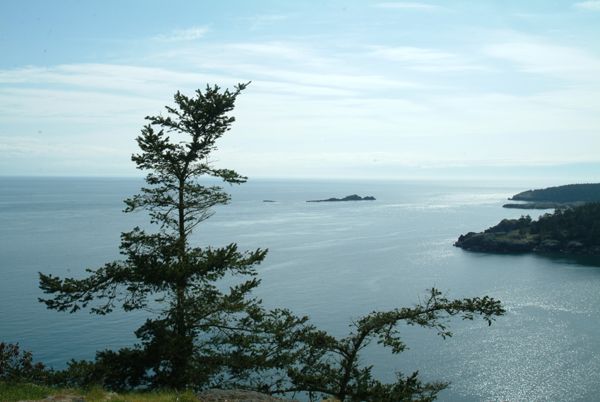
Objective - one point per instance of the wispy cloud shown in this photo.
(42, 146)
(107, 77)
(265, 20)
(423, 59)
(409, 5)
(272, 49)
(55, 156)
(412, 54)
(353, 103)
(547, 58)
(291, 68)
(179, 35)
(75, 105)
(593, 5)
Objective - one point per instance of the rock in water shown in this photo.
(353, 197)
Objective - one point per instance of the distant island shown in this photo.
(573, 231)
(352, 197)
(571, 195)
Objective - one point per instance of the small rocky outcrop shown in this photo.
(353, 197)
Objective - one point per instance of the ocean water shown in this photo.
(334, 262)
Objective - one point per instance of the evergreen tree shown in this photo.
(204, 335)
(180, 345)
(332, 366)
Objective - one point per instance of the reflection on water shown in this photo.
(583, 260)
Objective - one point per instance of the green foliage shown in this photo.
(206, 334)
(17, 391)
(507, 225)
(184, 344)
(332, 366)
(14, 392)
(571, 230)
(124, 369)
(581, 224)
(589, 192)
(18, 365)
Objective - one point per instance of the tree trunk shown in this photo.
(181, 343)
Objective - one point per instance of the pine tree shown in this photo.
(334, 366)
(181, 345)
(205, 336)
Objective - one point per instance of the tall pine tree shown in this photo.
(181, 346)
(207, 336)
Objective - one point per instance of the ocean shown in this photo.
(333, 262)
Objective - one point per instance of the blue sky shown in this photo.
(381, 89)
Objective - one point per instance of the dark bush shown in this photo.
(17, 365)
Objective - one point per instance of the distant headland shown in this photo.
(568, 196)
(574, 230)
(352, 197)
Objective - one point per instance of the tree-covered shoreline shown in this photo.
(567, 231)
(570, 195)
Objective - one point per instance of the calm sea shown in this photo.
(334, 262)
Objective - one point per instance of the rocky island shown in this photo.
(571, 231)
(352, 197)
(570, 195)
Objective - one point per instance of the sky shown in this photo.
(339, 89)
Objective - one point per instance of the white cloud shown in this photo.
(593, 5)
(545, 58)
(293, 68)
(55, 156)
(179, 35)
(423, 59)
(328, 79)
(366, 107)
(73, 105)
(412, 54)
(265, 21)
(15, 146)
(409, 5)
(109, 77)
(272, 49)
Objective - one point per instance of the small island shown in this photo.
(569, 231)
(352, 197)
(567, 196)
